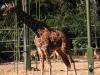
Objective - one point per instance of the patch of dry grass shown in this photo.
(58, 68)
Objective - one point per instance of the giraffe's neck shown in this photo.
(29, 21)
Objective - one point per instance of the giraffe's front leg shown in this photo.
(49, 61)
(42, 66)
(50, 66)
(41, 56)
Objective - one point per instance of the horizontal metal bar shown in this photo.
(10, 29)
(9, 51)
(13, 41)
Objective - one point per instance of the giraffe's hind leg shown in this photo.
(74, 68)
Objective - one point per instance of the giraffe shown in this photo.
(47, 40)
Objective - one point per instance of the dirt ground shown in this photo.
(58, 68)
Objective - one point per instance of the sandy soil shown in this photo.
(58, 68)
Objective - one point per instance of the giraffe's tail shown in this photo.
(65, 59)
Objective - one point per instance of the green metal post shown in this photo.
(16, 44)
(27, 62)
(89, 49)
(28, 41)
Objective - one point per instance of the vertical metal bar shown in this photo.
(95, 28)
(25, 37)
(29, 1)
(28, 40)
(15, 44)
(36, 9)
(39, 10)
(96, 19)
(18, 44)
(89, 49)
(25, 51)
(88, 22)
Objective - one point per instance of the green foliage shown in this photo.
(79, 44)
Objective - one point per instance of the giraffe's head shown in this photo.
(6, 7)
